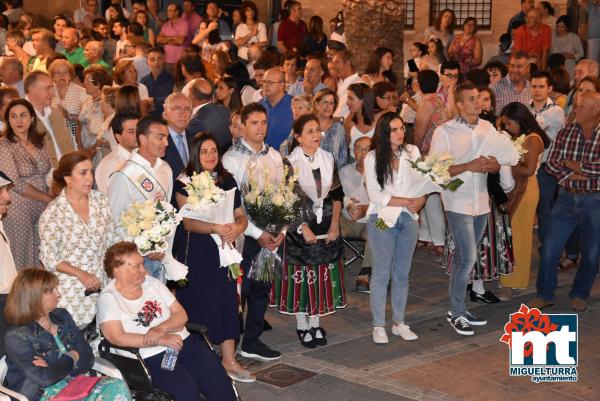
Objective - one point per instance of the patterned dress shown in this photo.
(463, 52)
(66, 237)
(107, 388)
(75, 97)
(21, 223)
(312, 280)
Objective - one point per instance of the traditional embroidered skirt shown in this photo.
(495, 256)
(312, 290)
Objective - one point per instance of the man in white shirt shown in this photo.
(356, 202)
(120, 31)
(478, 149)
(344, 70)
(551, 117)
(255, 293)
(8, 272)
(123, 128)
(144, 176)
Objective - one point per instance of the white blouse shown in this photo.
(65, 237)
(403, 183)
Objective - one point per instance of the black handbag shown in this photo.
(496, 192)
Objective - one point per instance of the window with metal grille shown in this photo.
(480, 9)
(409, 22)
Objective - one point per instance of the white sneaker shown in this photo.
(404, 331)
(379, 335)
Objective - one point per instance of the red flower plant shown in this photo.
(150, 311)
(524, 321)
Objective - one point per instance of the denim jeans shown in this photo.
(570, 211)
(548, 191)
(393, 251)
(467, 231)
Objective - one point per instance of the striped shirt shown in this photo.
(570, 144)
(506, 93)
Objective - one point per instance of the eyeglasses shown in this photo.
(452, 76)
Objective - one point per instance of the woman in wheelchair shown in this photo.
(136, 310)
(47, 355)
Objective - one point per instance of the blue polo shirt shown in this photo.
(279, 120)
(159, 89)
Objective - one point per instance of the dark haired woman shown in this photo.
(443, 29)
(211, 296)
(361, 119)
(547, 14)
(389, 178)
(566, 43)
(312, 283)
(24, 159)
(228, 93)
(316, 40)
(249, 31)
(411, 67)
(466, 48)
(76, 229)
(379, 67)
(517, 120)
(46, 350)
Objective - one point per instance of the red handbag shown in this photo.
(78, 388)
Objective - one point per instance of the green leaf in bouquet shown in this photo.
(453, 185)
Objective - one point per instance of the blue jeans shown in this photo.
(467, 231)
(569, 212)
(393, 251)
(548, 190)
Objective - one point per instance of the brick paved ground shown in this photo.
(441, 365)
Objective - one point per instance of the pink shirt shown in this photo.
(193, 23)
(177, 28)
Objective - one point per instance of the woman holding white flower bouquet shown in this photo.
(75, 230)
(518, 121)
(393, 184)
(211, 296)
(312, 280)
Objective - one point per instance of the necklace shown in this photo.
(310, 158)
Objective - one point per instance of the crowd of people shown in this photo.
(103, 111)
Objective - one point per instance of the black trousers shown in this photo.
(255, 295)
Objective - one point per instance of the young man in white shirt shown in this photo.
(478, 149)
(255, 293)
(123, 128)
(144, 176)
(551, 117)
(344, 70)
(8, 272)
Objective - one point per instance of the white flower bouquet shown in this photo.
(151, 226)
(517, 142)
(426, 175)
(271, 204)
(211, 204)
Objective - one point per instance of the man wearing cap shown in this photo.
(8, 272)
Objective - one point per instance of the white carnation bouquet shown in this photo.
(151, 226)
(434, 167)
(271, 204)
(517, 142)
(211, 204)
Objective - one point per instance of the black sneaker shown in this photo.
(259, 351)
(461, 326)
(471, 318)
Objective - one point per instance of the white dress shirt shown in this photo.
(122, 193)
(403, 182)
(353, 184)
(235, 162)
(342, 92)
(8, 271)
(466, 143)
(551, 118)
(108, 165)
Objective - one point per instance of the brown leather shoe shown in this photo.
(540, 303)
(578, 304)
